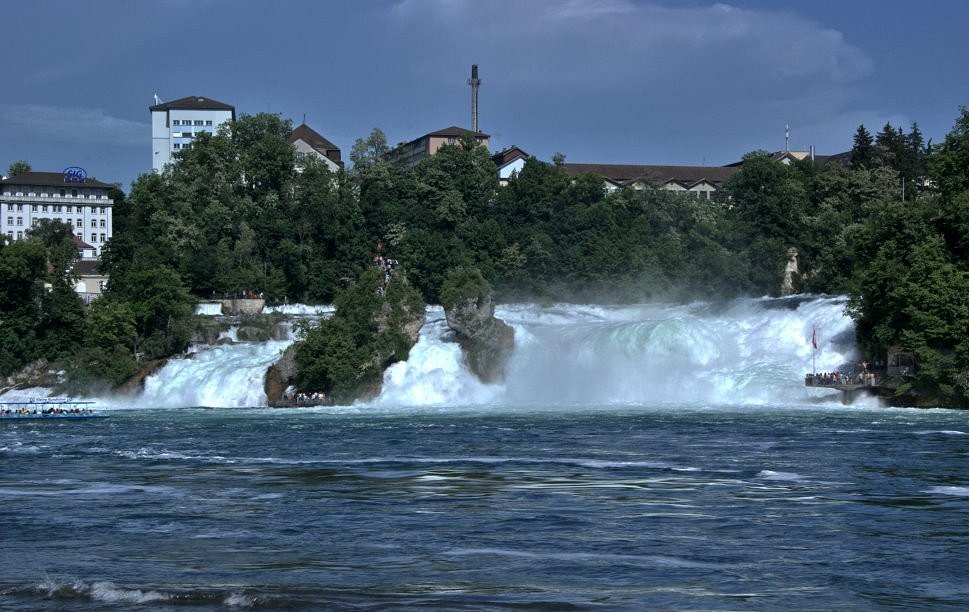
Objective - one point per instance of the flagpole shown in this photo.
(814, 350)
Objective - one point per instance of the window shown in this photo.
(20, 207)
(94, 223)
(102, 223)
(9, 220)
(199, 122)
(73, 193)
(176, 146)
(33, 222)
(10, 235)
(80, 223)
(20, 235)
(208, 122)
(63, 192)
(176, 122)
(56, 208)
(20, 220)
(9, 206)
(94, 237)
(43, 208)
(70, 209)
(102, 237)
(33, 207)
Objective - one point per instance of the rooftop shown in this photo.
(315, 140)
(624, 173)
(52, 179)
(193, 103)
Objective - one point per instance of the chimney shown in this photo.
(474, 82)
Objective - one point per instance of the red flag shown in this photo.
(814, 338)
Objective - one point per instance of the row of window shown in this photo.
(58, 193)
(80, 222)
(94, 237)
(190, 122)
(95, 210)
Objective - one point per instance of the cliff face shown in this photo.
(399, 324)
(487, 341)
(280, 375)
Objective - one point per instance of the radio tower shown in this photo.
(474, 82)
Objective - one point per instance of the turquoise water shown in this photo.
(633, 507)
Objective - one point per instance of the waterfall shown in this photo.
(745, 351)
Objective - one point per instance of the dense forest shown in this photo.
(239, 212)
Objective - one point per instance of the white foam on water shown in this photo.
(208, 309)
(956, 491)
(301, 310)
(772, 475)
(108, 592)
(223, 376)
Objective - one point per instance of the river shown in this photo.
(636, 457)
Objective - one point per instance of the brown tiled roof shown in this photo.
(79, 243)
(843, 158)
(193, 103)
(52, 179)
(506, 155)
(87, 267)
(456, 131)
(315, 140)
(626, 173)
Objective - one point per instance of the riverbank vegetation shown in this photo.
(239, 212)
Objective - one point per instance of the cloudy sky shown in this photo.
(607, 81)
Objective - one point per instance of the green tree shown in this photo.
(862, 151)
(17, 168)
(22, 268)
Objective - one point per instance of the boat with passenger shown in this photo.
(48, 409)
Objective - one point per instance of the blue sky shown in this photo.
(601, 81)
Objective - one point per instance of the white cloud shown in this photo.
(606, 42)
(87, 125)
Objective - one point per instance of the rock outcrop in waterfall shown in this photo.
(376, 323)
(486, 341)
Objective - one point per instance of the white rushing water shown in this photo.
(747, 351)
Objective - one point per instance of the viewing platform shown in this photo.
(849, 390)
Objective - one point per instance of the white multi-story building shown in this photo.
(174, 124)
(80, 202)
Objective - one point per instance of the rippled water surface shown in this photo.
(726, 508)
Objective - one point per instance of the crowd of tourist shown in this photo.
(387, 266)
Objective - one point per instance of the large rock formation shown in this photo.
(280, 376)
(487, 341)
(36, 374)
(136, 383)
(790, 270)
(376, 323)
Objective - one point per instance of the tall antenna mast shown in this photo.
(787, 137)
(474, 82)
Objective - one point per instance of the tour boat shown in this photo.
(48, 409)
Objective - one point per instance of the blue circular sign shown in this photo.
(74, 174)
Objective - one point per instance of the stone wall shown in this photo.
(242, 306)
